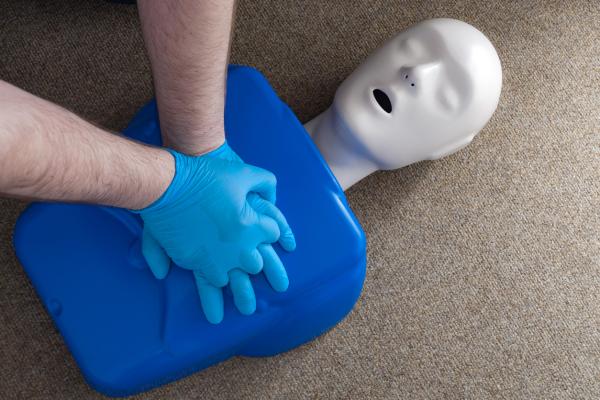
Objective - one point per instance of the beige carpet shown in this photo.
(483, 277)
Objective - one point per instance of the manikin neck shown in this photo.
(345, 160)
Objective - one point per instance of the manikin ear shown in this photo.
(451, 148)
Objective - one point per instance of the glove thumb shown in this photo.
(155, 256)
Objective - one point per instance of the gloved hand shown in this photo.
(207, 221)
(244, 298)
(241, 287)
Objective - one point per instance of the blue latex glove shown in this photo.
(241, 287)
(207, 221)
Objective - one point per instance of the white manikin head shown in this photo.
(423, 95)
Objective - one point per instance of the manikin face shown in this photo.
(424, 94)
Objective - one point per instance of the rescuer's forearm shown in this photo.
(188, 46)
(49, 153)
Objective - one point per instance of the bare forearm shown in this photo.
(188, 45)
(47, 152)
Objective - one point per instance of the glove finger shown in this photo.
(211, 299)
(262, 182)
(268, 229)
(273, 268)
(251, 262)
(214, 275)
(243, 293)
(287, 239)
(155, 256)
(263, 229)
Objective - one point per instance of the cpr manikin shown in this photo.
(423, 95)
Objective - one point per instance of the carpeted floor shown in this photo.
(484, 268)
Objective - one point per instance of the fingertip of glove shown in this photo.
(288, 241)
(160, 275)
(282, 285)
(247, 308)
(214, 319)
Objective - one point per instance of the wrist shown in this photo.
(208, 147)
(162, 176)
(183, 178)
(193, 140)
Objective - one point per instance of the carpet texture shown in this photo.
(483, 276)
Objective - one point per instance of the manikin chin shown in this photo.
(423, 95)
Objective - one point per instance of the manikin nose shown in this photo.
(414, 76)
(410, 80)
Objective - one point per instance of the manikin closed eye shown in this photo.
(422, 95)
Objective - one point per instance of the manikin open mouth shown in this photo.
(383, 100)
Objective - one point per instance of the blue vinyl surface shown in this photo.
(129, 332)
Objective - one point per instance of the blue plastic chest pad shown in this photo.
(128, 331)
